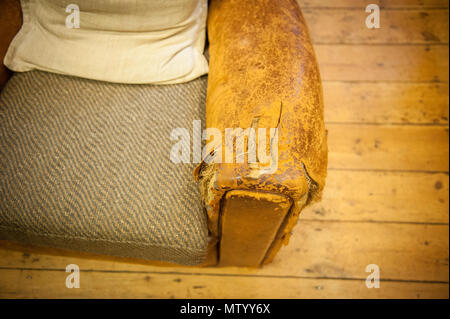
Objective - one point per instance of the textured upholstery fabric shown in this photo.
(84, 165)
(126, 41)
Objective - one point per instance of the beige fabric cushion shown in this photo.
(126, 41)
(85, 165)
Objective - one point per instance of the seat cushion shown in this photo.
(85, 165)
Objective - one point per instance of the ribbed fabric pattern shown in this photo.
(85, 165)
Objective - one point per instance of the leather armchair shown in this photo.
(263, 74)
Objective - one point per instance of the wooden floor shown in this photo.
(386, 201)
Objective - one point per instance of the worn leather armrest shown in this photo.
(10, 22)
(264, 74)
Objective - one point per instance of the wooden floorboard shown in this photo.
(47, 284)
(386, 201)
(385, 4)
(385, 103)
(390, 63)
(325, 249)
(388, 147)
(348, 26)
(383, 197)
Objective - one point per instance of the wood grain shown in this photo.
(396, 26)
(343, 250)
(386, 4)
(388, 147)
(399, 63)
(318, 249)
(382, 197)
(402, 103)
(50, 284)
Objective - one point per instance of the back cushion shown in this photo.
(126, 41)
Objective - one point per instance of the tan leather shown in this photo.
(249, 224)
(263, 70)
(10, 22)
